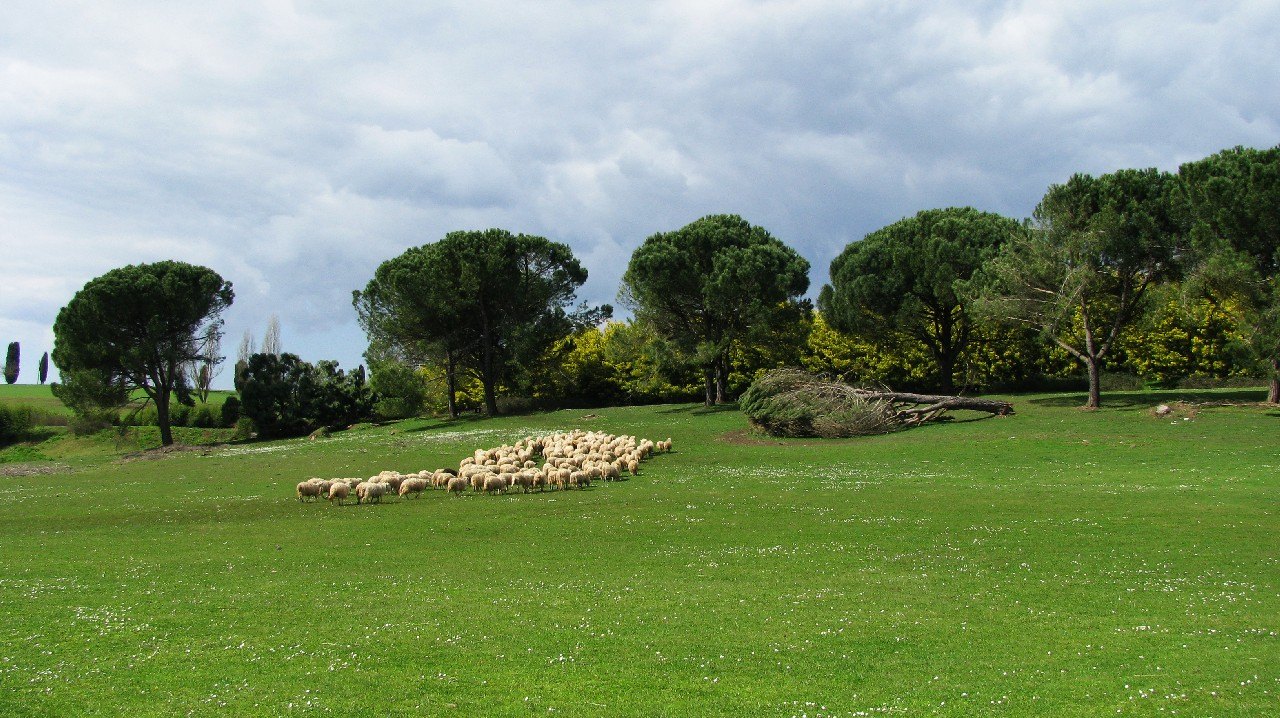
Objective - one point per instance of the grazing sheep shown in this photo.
(392, 482)
(494, 484)
(412, 486)
(633, 467)
(370, 491)
(306, 488)
(457, 485)
(338, 491)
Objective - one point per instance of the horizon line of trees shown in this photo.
(1165, 275)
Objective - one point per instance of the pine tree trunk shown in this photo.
(490, 399)
(946, 371)
(1095, 383)
(488, 377)
(1273, 391)
(162, 418)
(708, 375)
(451, 378)
(722, 380)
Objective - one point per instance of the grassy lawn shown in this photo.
(37, 396)
(1055, 562)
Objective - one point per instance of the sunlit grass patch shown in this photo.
(1052, 563)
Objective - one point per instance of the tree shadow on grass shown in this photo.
(1147, 399)
(700, 409)
(447, 424)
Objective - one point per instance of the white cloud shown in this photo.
(294, 146)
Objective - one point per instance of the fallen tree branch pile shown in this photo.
(790, 402)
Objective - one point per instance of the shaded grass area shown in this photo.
(1056, 562)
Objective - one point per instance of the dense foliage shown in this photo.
(11, 363)
(488, 302)
(905, 279)
(714, 285)
(16, 423)
(794, 403)
(1233, 200)
(399, 389)
(286, 396)
(137, 327)
(1081, 271)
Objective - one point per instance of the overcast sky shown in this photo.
(293, 146)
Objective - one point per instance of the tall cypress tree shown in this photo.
(44, 367)
(11, 364)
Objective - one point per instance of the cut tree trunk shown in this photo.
(914, 409)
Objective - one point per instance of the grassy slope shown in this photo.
(34, 395)
(1052, 563)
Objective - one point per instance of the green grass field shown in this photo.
(36, 396)
(39, 396)
(1056, 563)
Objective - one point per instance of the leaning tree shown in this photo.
(1233, 198)
(1081, 271)
(712, 284)
(907, 277)
(491, 301)
(137, 327)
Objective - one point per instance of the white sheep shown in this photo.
(306, 488)
(338, 491)
(412, 486)
(370, 491)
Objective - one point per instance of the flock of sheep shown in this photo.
(569, 460)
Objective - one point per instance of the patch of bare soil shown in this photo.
(163, 451)
(32, 469)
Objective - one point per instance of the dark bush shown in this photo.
(230, 412)
(1231, 382)
(245, 428)
(16, 423)
(1121, 382)
(91, 421)
(204, 417)
(285, 396)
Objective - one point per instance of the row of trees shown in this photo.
(495, 307)
(1083, 269)
(12, 365)
(949, 289)
(965, 293)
